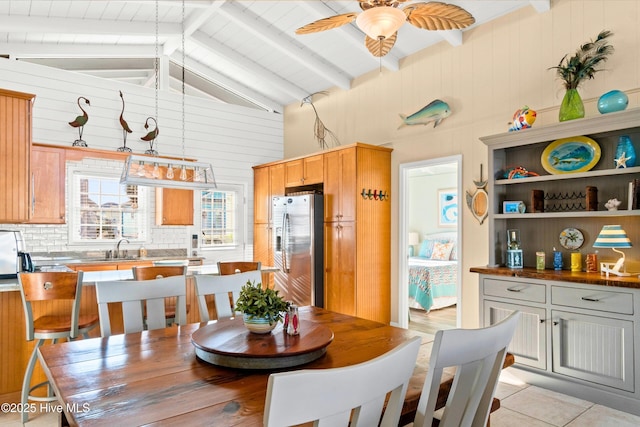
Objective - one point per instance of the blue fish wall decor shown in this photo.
(435, 112)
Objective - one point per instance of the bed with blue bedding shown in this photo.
(433, 275)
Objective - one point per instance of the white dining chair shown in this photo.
(353, 395)
(478, 356)
(225, 290)
(133, 293)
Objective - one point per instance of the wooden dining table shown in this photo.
(154, 377)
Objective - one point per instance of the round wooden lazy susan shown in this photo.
(228, 343)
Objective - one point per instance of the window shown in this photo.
(221, 216)
(103, 210)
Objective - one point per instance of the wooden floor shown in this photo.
(435, 320)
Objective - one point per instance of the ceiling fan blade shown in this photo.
(438, 16)
(381, 47)
(327, 23)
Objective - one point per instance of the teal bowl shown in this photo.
(614, 100)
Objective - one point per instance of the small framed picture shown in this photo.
(447, 207)
(512, 206)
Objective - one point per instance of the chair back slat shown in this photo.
(132, 294)
(49, 286)
(233, 267)
(478, 356)
(158, 272)
(222, 288)
(337, 394)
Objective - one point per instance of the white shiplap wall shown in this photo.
(232, 138)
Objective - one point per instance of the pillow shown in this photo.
(426, 248)
(441, 251)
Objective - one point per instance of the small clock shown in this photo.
(571, 238)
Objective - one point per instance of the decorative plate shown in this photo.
(571, 238)
(569, 155)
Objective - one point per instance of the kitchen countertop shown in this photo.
(90, 277)
(563, 276)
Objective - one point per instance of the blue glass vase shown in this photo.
(625, 149)
(611, 101)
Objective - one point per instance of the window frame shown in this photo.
(75, 175)
(240, 218)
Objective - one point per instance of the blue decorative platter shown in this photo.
(570, 155)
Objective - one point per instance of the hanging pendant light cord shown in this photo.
(183, 65)
(156, 66)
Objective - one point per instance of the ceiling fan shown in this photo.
(381, 19)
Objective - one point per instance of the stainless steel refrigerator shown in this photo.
(298, 248)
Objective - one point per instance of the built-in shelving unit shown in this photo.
(539, 231)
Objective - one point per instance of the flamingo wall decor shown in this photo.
(125, 128)
(151, 136)
(79, 123)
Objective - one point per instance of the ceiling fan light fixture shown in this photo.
(381, 22)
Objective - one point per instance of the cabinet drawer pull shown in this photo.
(590, 299)
(513, 289)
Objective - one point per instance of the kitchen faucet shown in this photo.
(116, 254)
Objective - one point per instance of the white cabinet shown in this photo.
(577, 338)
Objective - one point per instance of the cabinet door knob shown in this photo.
(541, 320)
(556, 323)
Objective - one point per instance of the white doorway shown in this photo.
(420, 183)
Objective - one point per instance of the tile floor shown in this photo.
(522, 405)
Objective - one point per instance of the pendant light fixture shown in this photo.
(154, 171)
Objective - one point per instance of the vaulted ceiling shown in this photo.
(239, 52)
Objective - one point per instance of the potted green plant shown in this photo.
(577, 68)
(261, 307)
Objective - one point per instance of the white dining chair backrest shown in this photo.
(334, 397)
(222, 288)
(478, 356)
(132, 294)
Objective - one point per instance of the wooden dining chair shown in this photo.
(478, 356)
(337, 396)
(232, 267)
(132, 295)
(46, 288)
(158, 272)
(225, 291)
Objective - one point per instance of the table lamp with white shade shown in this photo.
(414, 239)
(614, 237)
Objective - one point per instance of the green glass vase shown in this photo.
(572, 106)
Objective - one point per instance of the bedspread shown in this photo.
(432, 283)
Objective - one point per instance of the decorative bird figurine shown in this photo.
(320, 131)
(125, 128)
(151, 136)
(79, 123)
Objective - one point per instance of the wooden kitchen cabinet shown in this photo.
(357, 240)
(340, 267)
(305, 171)
(15, 155)
(174, 206)
(47, 185)
(268, 181)
(340, 185)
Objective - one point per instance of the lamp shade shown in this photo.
(381, 22)
(612, 236)
(414, 239)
